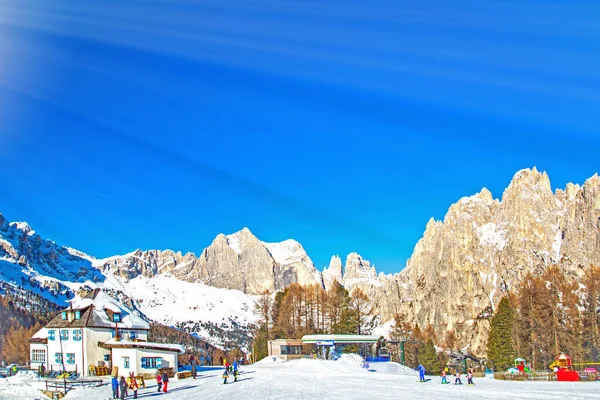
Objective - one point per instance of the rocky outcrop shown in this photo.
(462, 266)
(239, 261)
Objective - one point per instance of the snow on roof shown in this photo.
(146, 345)
(341, 338)
(102, 303)
(41, 334)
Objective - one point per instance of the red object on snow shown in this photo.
(567, 375)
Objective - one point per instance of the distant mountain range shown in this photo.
(458, 271)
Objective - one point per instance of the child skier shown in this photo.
(225, 375)
(457, 380)
(421, 373)
(470, 378)
(444, 380)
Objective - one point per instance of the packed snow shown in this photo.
(345, 379)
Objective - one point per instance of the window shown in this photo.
(51, 335)
(107, 357)
(63, 315)
(151, 362)
(116, 317)
(64, 334)
(58, 358)
(126, 362)
(38, 356)
(131, 335)
(113, 333)
(77, 314)
(291, 350)
(70, 358)
(77, 334)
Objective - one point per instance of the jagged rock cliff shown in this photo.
(239, 261)
(462, 266)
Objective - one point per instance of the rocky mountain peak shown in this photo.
(528, 183)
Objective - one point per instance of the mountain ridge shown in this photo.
(461, 266)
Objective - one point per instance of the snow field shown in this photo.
(317, 379)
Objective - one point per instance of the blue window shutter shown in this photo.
(158, 362)
(143, 362)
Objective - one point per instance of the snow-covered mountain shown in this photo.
(58, 273)
(458, 272)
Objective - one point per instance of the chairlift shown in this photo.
(384, 352)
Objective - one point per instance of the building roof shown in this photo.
(97, 310)
(341, 338)
(126, 344)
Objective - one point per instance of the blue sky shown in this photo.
(343, 124)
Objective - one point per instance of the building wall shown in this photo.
(169, 360)
(69, 345)
(86, 351)
(274, 348)
(38, 346)
(94, 354)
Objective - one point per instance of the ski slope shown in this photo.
(315, 379)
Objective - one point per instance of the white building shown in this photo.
(142, 358)
(86, 334)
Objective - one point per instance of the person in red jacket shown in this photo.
(159, 381)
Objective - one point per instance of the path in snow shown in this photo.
(315, 379)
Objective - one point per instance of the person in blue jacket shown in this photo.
(236, 371)
(421, 373)
(115, 387)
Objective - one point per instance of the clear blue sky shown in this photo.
(343, 124)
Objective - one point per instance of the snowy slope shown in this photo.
(315, 379)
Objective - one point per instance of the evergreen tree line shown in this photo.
(546, 315)
(303, 310)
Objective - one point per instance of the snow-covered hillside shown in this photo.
(57, 273)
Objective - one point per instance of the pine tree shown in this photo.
(429, 359)
(500, 349)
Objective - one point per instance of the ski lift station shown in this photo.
(322, 346)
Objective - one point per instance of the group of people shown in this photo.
(445, 372)
(457, 380)
(121, 387)
(233, 369)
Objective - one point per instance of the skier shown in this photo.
(444, 380)
(421, 373)
(235, 371)
(470, 378)
(457, 380)
(165, 380)
(159, 381)
(123, 387)
(225, 376)
(193, 364)
(115, 387)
